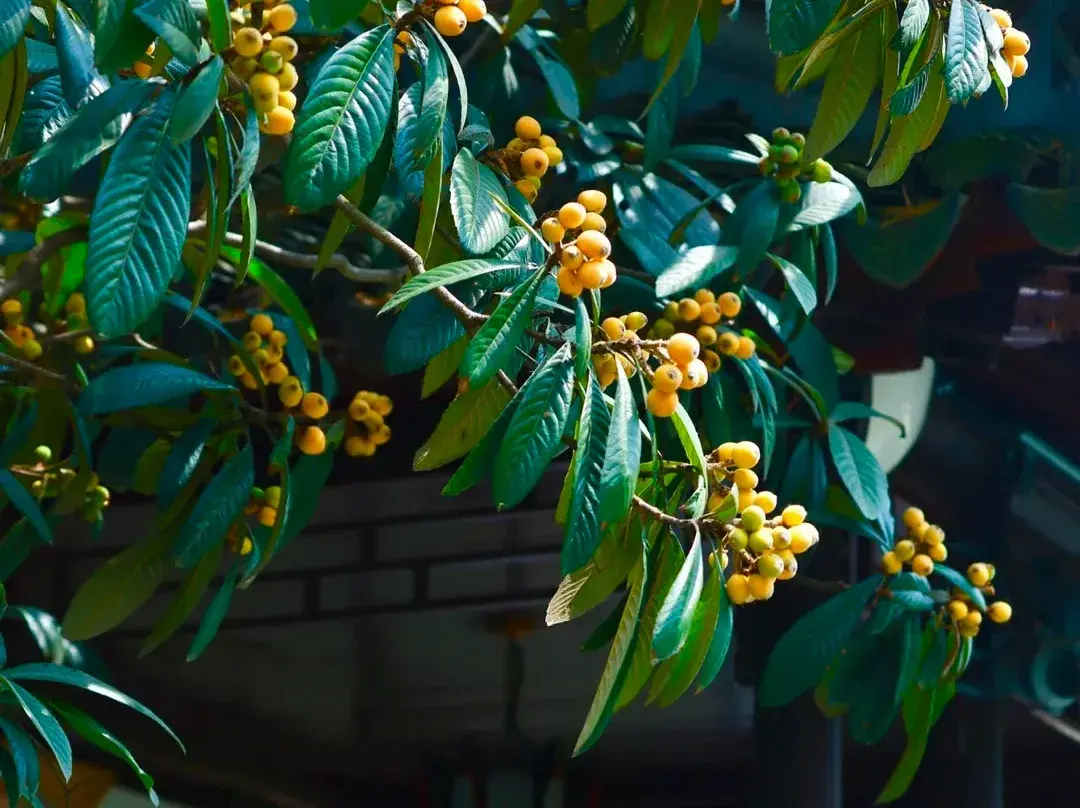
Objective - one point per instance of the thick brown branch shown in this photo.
(279, 255)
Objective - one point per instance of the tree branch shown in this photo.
(278, 255)
(28, 274)
(30, 367)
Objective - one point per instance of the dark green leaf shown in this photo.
(622, 456)
(754, 223)
(445, 275)
(217, 11)
(481, 223)
(960, 581)
(797, 282)
(421, 331)
(45, 723)
(619, 660)
(75, 56)
(14, 15)
(197, 102)
(708, 153)
(482, 458)
(93, 129)
(214, 614)
(851, 410)
(582, 338)
(184, 458)
(187, 597)
(44, 672)
(26, 758)
(174, 21)
(695, 268)
(10, 775)
(684, 666)
(607, 629)
(800, 658)
(599, 13)
(142, 385)
(583, 519)
(282, 293)
(965, 52)
(911, 134)
(220, 503)
(535, 433)
(93, 732)
(464, 422)
(335, 14)
(720, 642)
(139, 224)
(436, 93)
(794, 25)
(918, 709)
(828, 251)
(859, 471)
(495, 342)
(906, 99)
(342, 121)
(691, 444)
(121, 37)
(677, 612)
(118, 588)
(430, 202)
(24, 503)
(1048, 214)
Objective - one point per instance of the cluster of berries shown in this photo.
(785, 164)
(684, 371)
(528, 157)
(264, 60)
(962, 610)
(263, 505)
(266, 347)
(452, 17)
(52, 481)
(923, 545)
(367, 430)
(623, 330)
(1017, 43)
(763, 547)
(577, 233)
(24, 339)
(708, 318)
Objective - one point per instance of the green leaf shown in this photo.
(599, 13)
(436, 93)
(684, 666)
(618, 664)
(965, 52)
(754, 223)
(214, 614)
(142, 385)
(851, 410)
(799, 660)
(535, 433)
(918, 709)
(14, 15)
(912, 24)
(282, 293)
(960, 581)
(187, 597)
(859, 471)
(220, 503)
(93, 732)
(906, 98)
(480, 222)
(25, 755)
(797, 282)
(139, 224)
(710, 153)
(174, 21)
(794, 25)
(306, 483)
(695, 268)
(912, 133)
(481, 459)
(220, 24)
(121, 37)
(196, 103)
(582, 338)
(445, 275)
(44, 672)
(622, 455)
(10, 775)
(851, 80)
(342, 121)
(891, 73)
(607, 629)
(336, 14)
(1049, 214)
(443, 367)
(25, 503)
(494, 344)
(75, 58)
(681, 18)
(691, 444)
(430, 203)
(583, 520)
(118, 588)
(461, 426)
(720, 642)
(45, 723)
(91, 130)
(677, 612)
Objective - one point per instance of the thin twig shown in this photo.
(28, 274)
(30, 367)
(278, 255)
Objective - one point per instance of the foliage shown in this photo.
(128, 364)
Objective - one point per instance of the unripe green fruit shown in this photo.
(753, 518)
(770, 566)
(821, 172)
(43, 454)
(776, 153)
(780, 135)
(739, 539)
(760, 541)
(272, 61)
(791, 193)
(788, 154)
(798, 140)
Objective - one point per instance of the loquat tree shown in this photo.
(593, 288)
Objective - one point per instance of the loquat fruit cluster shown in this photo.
(263, 505)
(264, 59)
(577, 233)
(684, 370)
(763, 547)
(622, 330)
(527, 158)
(1017, 43)
(963, 612)
(920, 548)
(367, 429)
(25, 339)
(709, 318)
(452, 17)
(785, 164)
(266, 347)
